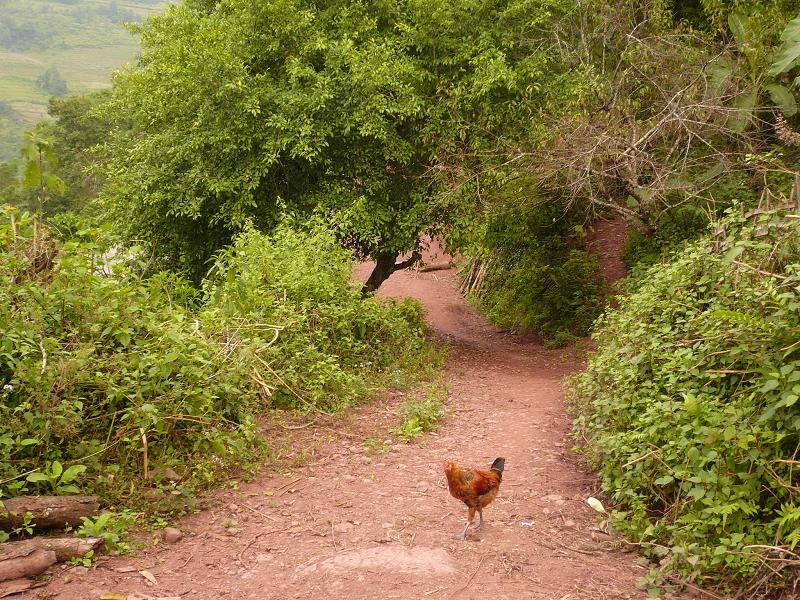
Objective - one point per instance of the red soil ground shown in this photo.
(347, 511)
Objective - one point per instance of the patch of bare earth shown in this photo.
(349, 520)
(605, 240)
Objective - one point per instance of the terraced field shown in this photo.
(85, 40)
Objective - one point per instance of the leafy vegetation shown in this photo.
(422, 415)
(357, 111)
(109, 526)
(114, 381)
(686, 407)
(52, 83)
(689, 405)
(257, 147)
(536, 274)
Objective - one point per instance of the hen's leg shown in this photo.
(470, 519)
(480, 525)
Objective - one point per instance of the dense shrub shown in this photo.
(149, 381)
(674, 229)
(331, 340)
(689, 406)
(687, 219)
(538, 277)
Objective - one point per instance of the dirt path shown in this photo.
(352, 521)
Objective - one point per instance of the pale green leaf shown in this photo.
(123, 337)
(49, 153)
(54, 183)
(596, 504)
(783, 98)
(770, 385)
(739, 26)
(72, 473)
(787, 56)
(732, 254)
(791, 33)
(720, 72)
(32, 175)
(744, 105)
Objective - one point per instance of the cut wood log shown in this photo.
(49, 512)
(15, 586)
(437, 267)
(27, 566)
(65, 548)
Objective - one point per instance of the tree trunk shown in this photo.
(49, 512)
(384, 267)
(64, 548)
(27, 566)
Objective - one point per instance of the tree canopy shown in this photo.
(240, 112)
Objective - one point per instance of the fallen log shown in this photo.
(27, 566)
(48, 512)
(15, 586)
(64, 548)
(437, 267)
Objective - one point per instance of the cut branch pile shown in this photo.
(31, 557)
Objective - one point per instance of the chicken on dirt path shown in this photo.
(474, 487)
(346, 510)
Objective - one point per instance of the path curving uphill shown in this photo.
(375, 520)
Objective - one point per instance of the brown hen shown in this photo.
(474, 487)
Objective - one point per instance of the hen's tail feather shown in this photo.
(498, 465)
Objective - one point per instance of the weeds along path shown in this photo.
(345, 511)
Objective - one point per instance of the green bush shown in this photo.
(422, 415)
(689, 407)
(538, 277)
(674, 229)
(149, 382)
(332, 340)
(687, 220)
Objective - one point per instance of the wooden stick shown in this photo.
(258, 512)
(466, 585)
(286, 485)
(446, 266)
(144, 445)
(760, 271)
(333, 537)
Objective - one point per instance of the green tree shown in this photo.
(75, 130)
(362, 111)
(39, 161)
(52, 82)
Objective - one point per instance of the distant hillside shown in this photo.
(52, 47)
